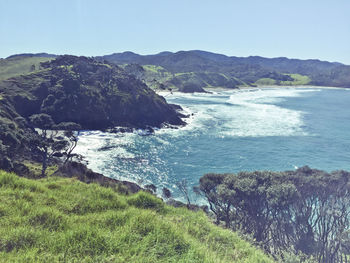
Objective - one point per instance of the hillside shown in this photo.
(56, 219)
(92, 94)
(72, 89)
(250, 70)
(20, 64)
(157, 77)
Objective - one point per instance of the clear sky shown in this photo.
(270, 28)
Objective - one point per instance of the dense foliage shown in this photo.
(304, 211)
(63, 220)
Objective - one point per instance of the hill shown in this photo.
(20, 64)
(249, 70)
(57, 219)
(73, 89)
(92, 94)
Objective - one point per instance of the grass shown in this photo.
(265, 81)
(19, 65)
(154, 68)
(153, 72)
(298, 80)
(35, 168)
(64, 220)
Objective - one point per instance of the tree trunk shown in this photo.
(44, 166)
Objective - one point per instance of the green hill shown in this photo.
(250, 70)
(72, 89)
(64, 220)
(17, 65)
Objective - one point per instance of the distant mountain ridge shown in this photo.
(165, 70)
(248, 69)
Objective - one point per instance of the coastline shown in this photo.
(277, 87)
(246, 88)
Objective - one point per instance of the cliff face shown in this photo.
(92, 94)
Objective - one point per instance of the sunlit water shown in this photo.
(231, 131)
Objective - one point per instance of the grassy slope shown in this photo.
(161, 75)
(58, 219)
(297, 80)
(19, 65)
(265, 81)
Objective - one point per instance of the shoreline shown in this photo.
(245, 88)
(273, 87)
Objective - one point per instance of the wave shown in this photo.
(243, 113)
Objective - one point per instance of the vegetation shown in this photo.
(63, 220)
(19, 65)
(297, 80)
(157, 77)
(247, 70)
(304, 211)
(265, 81)
(294, 80)
(52, 143)
(68, 90)
(92, 94)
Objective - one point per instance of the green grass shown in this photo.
(154, 68)
(298, 80)
(265, 81)
(153, 72)
(64, 220)
(35, 168)
(19, 65)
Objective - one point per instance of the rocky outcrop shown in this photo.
(82, 173)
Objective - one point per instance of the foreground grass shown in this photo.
(64, 220)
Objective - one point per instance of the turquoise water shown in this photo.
(231, 131)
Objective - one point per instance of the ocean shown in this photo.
(230, 131)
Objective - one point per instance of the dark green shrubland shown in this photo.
(303, 211)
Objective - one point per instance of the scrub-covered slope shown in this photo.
(92, 94)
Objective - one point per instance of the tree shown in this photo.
(183, 188)
(71, 132)
(305, 211)
(51, 142)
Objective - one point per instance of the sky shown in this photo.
(304, 29)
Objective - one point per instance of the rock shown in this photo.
(82, 173)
